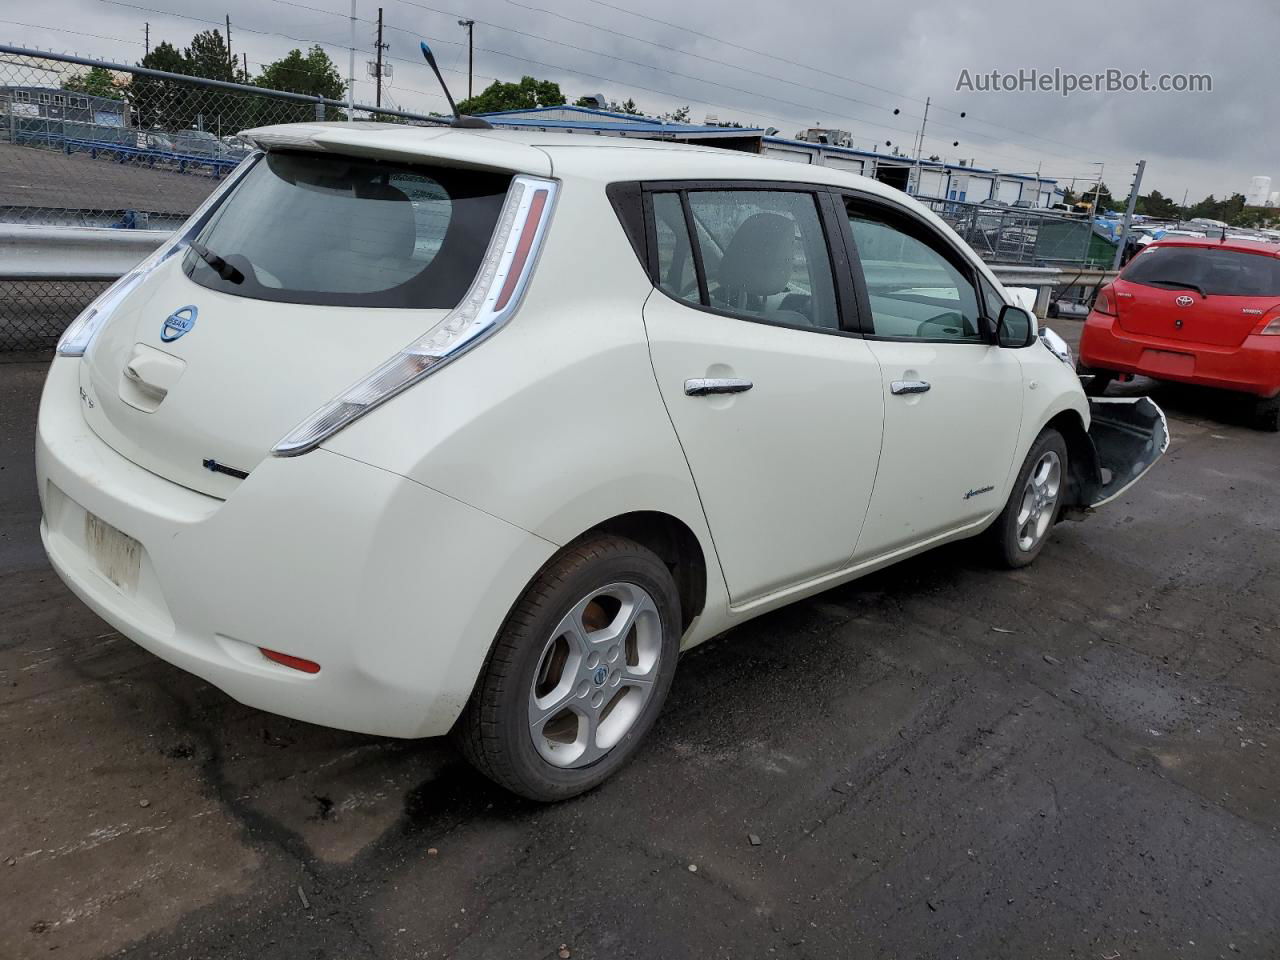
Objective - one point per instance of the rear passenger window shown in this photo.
(915, 291)
(676, 273)
(765, 256)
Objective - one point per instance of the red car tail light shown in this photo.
(1270, 326)
(1105, 304)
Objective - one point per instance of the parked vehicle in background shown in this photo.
(762, 387)
(202, 143)
(1195, 311)
(153, 141)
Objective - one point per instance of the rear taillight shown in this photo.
(1269, 328)
(493, 298)
(1105, 304)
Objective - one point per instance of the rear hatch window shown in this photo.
(1224, 273)
(313, 271)
(309, 228)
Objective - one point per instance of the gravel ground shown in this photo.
(1081, 759)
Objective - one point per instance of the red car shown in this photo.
(1195, 311)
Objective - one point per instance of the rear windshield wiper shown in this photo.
(1182, 285)
(220, 266)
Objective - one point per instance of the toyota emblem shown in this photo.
(1184, 301)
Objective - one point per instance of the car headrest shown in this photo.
(759, 258)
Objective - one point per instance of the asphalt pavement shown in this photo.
(1079, 759)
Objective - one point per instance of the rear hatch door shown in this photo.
(329, 266)
(1197, 295)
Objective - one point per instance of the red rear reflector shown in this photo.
(306, 666)
(531, 222)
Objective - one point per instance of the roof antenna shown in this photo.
(471, 123)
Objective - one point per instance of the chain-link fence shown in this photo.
(1023, 235)
(95, 144)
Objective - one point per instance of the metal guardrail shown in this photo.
(72, 253)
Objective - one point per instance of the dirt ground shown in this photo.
(1081, 759)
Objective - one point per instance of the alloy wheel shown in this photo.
(595, 675)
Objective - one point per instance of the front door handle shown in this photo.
(705, 387)
(900, 387)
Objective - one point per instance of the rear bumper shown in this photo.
(1253, 367)
(394, 589)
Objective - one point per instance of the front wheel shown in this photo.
(1021, 530)
(578, 673)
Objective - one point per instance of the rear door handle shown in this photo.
(704, 387)
(900, 387)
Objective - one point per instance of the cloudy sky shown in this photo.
(793, 65)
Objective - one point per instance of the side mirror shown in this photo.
(1015, 327)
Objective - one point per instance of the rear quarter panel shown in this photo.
(555, 424)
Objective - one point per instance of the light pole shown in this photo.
(471, 54)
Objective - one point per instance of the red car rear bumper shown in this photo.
(1253, 367)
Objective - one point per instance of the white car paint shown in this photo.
(391, 554)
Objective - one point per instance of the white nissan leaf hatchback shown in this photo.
(419, 430)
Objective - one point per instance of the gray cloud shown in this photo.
(841, 64)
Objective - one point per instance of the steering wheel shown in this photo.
(948, 325)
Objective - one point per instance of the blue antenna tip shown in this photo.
(425, 49)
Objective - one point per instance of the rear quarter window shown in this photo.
(309, 228)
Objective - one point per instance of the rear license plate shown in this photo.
(1168, 362)
(117, 555)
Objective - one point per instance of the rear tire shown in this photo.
(578, 672)
(1266, 415)
(1022, 529)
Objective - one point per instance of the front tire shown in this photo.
(1022, 529)
(578, 672)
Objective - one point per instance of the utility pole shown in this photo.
(379, 46)
(920, 142)
(245, 54)
(471, 54)
(351, 68)
(231, 57)
(1128, 214)
(146, 34)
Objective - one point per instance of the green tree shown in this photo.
(312, 73)
(161, 103)
(96, 83)
(209, 57)
(627, 106)
(678, 115)
(1156, 204)
(525, 95)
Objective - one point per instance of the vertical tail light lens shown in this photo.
(491, 301)
(1106, 302)
(1270, 328)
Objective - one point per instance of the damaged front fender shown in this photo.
(1128, 435)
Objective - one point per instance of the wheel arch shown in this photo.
(676, 545)
(1084, 472)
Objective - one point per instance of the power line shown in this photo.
(684, 29)
(753, 93)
